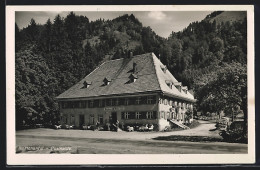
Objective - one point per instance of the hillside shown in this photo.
(52, 57)
(231, 16)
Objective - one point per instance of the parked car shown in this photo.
(72, 126)
(84, 127)
(150, 127)
(57, 126)
(130, 129)
(143, 128)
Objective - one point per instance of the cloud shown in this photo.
(158, 15)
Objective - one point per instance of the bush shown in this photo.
(193, 124)
(234, 136)
(235, 133)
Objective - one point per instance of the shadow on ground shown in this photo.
(189, 138)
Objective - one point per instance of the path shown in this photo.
(128, 142)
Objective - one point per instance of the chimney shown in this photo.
(134, 67)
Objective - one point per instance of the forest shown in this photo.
(210, 57)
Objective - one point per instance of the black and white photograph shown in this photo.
(130, 84)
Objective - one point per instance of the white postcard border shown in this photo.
(92, 159)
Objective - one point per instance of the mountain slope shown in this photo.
(231, 16)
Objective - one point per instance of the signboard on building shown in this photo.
(114, 108)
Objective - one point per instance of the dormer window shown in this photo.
(133, 77)
(169, 83)
(178, 85)
(106, 81)
(87, 84)
(164, 68)
(185, 89)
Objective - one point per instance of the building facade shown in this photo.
(134, 90)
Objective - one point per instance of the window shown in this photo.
(75, 104)
(101, 103)
(91, 119)
(65, 105)
(70, 104)
(137, 115)
(169, 83)
(96, 103)
(149, 100)
(155, 114)
(112, 102)
(185, 89)
(116, 102)
(138, 100)
(65, 119)
(184, 105)
(91, 103)
(131, 101)
(131, 115)
(126, 115)
(170, 102)
(165, 101)
(149, 115)
(162, 114)
(168, 115)
(83, 104)
(72, 120)
(164, 68)
(100, 119)
(133, 78)
(178, 85)
(161, 101)
(106, 81)
(87, 84)
(62, 104)
(126, 101)
(108, 102)
(121, 101)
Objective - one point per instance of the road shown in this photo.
(103, 142)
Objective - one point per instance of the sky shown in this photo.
(161, 22)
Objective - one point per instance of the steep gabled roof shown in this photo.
(151, 78)
(165, 76)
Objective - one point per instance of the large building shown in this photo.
(133, 90)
